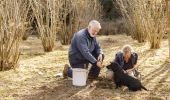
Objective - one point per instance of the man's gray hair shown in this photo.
(94, 23)
(127, 48)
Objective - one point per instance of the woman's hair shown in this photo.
(127, 48)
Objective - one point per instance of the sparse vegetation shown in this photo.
(37, 60)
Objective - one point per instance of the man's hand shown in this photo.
(99, 64)
(100, 58)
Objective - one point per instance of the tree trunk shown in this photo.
(155, 45)
(168, 15)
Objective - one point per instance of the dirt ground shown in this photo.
(36, 79)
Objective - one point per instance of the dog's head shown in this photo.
(114, 67)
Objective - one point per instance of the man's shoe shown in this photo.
(65, 70)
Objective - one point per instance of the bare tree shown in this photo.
(68, 21)
(46, 13)
(131, 11)
(75, 15)
(155, 22)
(13, 15)
(146, 19)
(168, 15)
(62, 17)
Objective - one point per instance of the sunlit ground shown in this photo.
(35, 78)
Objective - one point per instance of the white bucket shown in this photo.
(109, 74)
(79, 77)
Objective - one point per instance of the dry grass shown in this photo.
(35, 79)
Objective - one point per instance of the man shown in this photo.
(84, 49)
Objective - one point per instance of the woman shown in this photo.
(127, 59)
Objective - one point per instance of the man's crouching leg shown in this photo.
(95, 70)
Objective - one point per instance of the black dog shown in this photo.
(122, 78)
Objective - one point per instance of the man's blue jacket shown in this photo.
(83, 47)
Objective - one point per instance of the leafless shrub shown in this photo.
(168, 16)
(145, 19)
(46, 13)
(13, 15)
(75, 15)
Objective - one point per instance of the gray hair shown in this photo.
(94, 23)
(127, 48)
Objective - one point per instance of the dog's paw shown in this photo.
(124, 88)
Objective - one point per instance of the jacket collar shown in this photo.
(88, 34)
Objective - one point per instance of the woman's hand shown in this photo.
(124, 71)
(130, 70)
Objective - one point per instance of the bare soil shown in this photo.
(36, 79)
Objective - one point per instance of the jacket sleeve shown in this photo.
(98, 48)
(82, 47)
(116, 58)
(135, 58)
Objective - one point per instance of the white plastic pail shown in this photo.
(109, 74)
(79, 77)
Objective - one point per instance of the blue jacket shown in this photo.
(119, 58)
(82, 46)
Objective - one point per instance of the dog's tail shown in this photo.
(143, 87)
